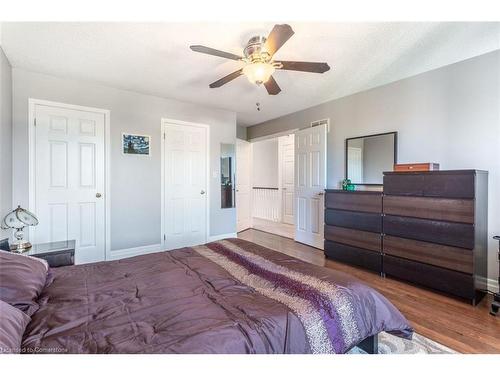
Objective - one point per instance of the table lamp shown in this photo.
(18, 219)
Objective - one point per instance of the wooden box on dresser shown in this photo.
(435, 230)
(353, 228)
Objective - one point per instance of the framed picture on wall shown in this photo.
(136, 144)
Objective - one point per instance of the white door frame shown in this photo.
(280, 177)
(250, 183)
(32, 103)
(208, 174)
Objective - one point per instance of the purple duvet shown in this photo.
(229, 296)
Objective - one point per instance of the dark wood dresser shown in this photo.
(435, 230)
(353, 228)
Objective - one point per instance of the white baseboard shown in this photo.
(133, 251)
(490, 284)
(222, 236)
(493, 285)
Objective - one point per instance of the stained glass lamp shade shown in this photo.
(18, 219)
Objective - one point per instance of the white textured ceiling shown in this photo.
(154, 58)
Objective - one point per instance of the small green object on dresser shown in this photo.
(347, 185)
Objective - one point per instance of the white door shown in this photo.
(355, 164)
(310, 182)
(243, 188)
(287, 182)
(69, 169)
(185, 174)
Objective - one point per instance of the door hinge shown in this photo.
(163, 135)
(34, 122)
(164, 237)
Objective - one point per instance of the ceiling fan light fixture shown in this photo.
(258, 72)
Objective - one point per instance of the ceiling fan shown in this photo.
(259, 64)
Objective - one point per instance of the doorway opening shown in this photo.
(273, 170)
(284, 184)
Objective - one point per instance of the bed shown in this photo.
(230, 296)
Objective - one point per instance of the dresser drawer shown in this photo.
(456, 210)
(365, 221)
(441, 232)
(353, 255)
(429, 184)
(457, 283)
(365, 240)
(354, 201)
(449, 257)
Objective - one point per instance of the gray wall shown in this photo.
(5, 139)
(449, 115)
(265, 163)
(135, 182)
(241, 132)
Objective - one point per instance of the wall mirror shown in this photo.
(368, 157)
(227, 171)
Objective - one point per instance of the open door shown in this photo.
(286, 175)
(243, 188)
(310, 183)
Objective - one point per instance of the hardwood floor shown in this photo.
(449, 321)
(281, 229)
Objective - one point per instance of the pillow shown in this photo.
(12, 326)
(22, 279)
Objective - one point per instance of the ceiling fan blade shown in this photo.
(226, 79)
(215, 52)
(277, 37)
(305, 66)
(272, 86)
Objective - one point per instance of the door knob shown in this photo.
(202, 192)
(98, 195)
(321, 193)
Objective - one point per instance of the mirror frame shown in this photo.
(369, 136)
(232, 167)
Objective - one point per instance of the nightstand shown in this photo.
(57, 254)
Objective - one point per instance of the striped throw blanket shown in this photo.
(326, 310)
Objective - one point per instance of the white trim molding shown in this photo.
(32, 103)
(492, 285)
(223, 236)
(133, 251)
(274, 135)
